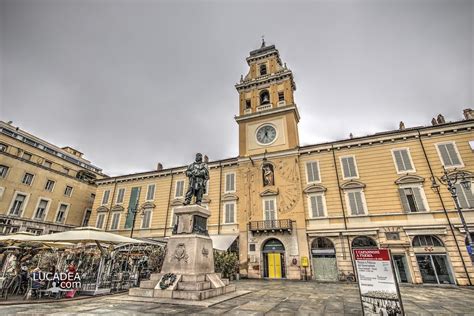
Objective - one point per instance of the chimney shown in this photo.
(159, 166)
(434, 122)
(401, 126)
(468, 114)
(440, 119)
(351, 136)
(206, 159)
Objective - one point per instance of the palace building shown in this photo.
(284, 204)
(43, 188)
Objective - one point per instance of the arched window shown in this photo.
(322, 243)
(273, 245)
(263, 69)
(427, 241)
(364, 242)
(264, 97)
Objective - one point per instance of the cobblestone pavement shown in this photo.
(270, 298)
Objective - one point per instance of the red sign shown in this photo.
(372, 254)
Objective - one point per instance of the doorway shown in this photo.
(273, 259)
(324, 260)
(401, 268)
(434, 269)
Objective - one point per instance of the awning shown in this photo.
(222, 242)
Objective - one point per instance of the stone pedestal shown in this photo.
(188, 268)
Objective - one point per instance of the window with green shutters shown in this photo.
(465, 196)
(403, 161)
(349, 169)
(449, 155)
(312, 172)
(316, 206)
(412, 199)
(356, 202)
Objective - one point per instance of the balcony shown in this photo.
(278, 225)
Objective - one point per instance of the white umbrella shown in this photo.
(86, 234)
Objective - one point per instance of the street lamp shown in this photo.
(450, 180)
(134, 209)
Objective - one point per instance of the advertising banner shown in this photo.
(377, 282)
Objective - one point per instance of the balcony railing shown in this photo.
(271, 225)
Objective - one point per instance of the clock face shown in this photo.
(266, 134)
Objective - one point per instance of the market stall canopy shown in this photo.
(222, 242)
(87, 234)
(28, 239)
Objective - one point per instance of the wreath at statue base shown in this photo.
(167, 280)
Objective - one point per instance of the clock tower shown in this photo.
(268, 117)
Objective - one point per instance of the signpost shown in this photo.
(377, 282)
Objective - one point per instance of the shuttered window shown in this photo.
(229, 213)
(402, 160)
(105, 197)
(356, 204)
(269, 209)
(465, 197)
(146, 218)
(349, 167)
(230, 182)
(179, 189)
(120, 195)
(312, 171)
(449, 155)
(150, 193)
(412, 199)
(317, 206)
(115, 221)
(100, 221)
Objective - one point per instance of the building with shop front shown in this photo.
(284, 203)
(43, 188)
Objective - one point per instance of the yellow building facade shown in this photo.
(43, 188)
(287, 205)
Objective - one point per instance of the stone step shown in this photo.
(194, 286)
(148, 284)
(136, 291)
(198, 295)
(193, 278)
(156, 276)
(226, 281)
(230, 288)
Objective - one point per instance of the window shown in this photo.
(412, 199)
(87, 217)
(355, 200)
(312, 172)
(248, 104)
(449, 155)
(17, 206)
(403, 161)
(61, 215)
(68, 191)
(263, 70)
(47, 164)
(150, 193)
(363, 242)
(179, 190)
(317, 205)
(281, 96)
(229, 213)
(349, 168)
(264, 97)
(120, 195)
(100, 220)
(230, 182)
(3, 147)
(34, 231)
(41, 209)
(27, 179)
(105, 197)
(465, 197)
(49, 185)
(115, 221)
(26, 156)
(427, 241)
(146, 220)
(3, 171)
(392, 235)
(269, 209)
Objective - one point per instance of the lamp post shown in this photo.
(134, 210)
(450, 180)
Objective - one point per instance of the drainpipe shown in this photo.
(111, 204)
(169, 203)
(451, 228)
(343, 212)
(220, 199)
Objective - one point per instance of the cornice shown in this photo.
(281, 109)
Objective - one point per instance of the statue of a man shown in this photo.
(198, 175)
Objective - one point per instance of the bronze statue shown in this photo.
(198, 175)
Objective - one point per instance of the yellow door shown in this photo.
(274, 265)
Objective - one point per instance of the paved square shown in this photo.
(281, 297)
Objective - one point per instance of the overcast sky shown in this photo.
(133, 83)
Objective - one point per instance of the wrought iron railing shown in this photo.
(277, 224)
